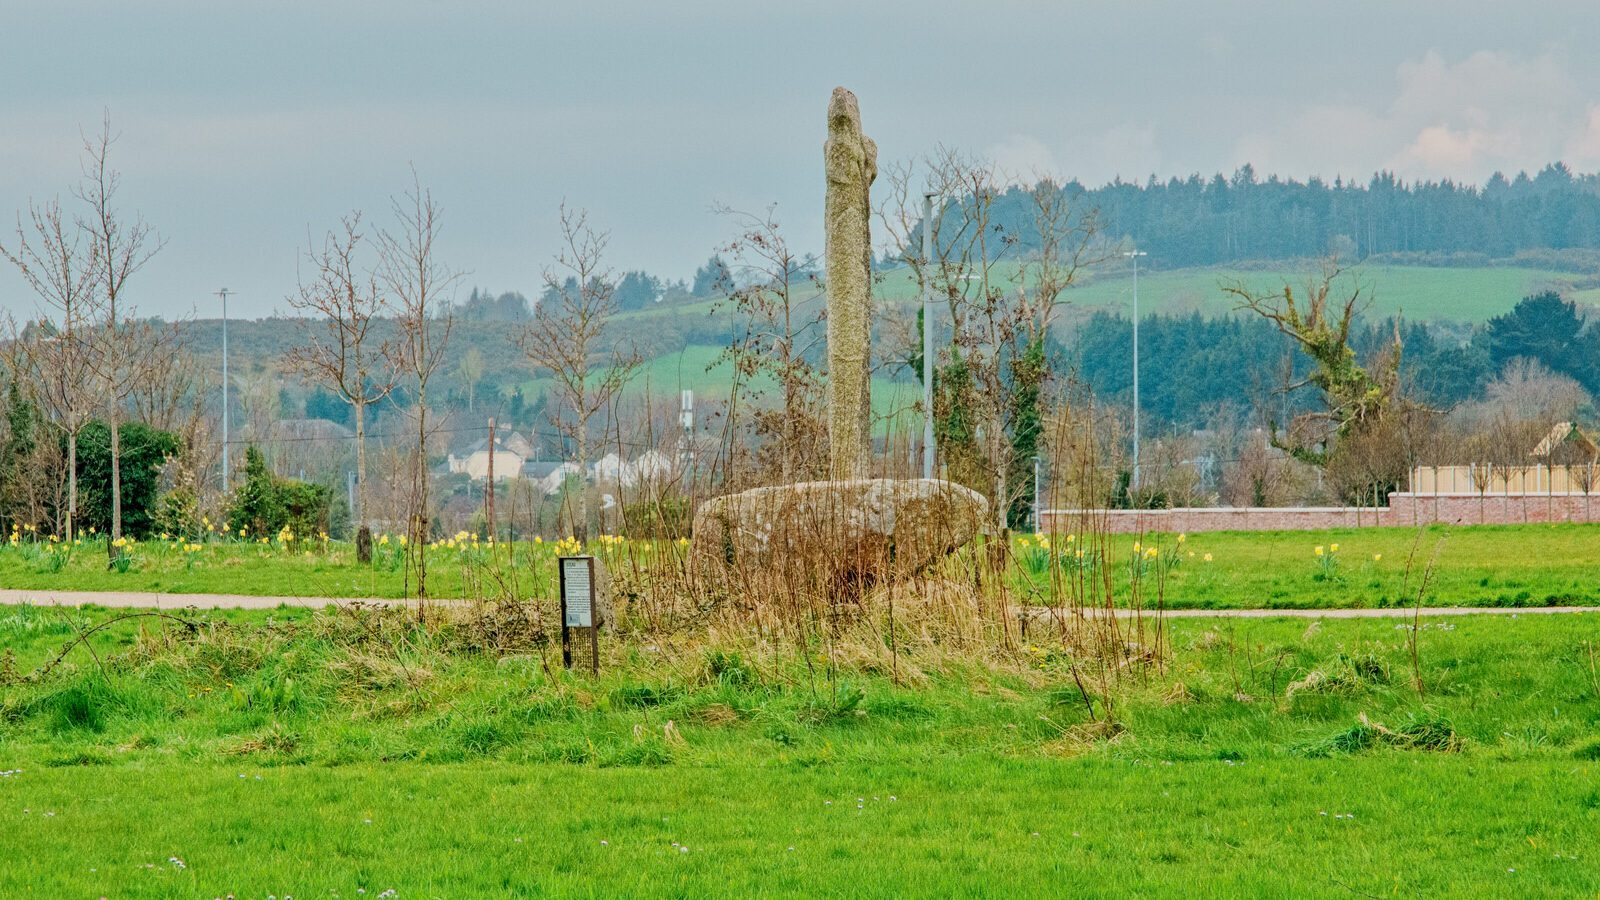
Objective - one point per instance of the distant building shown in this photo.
(549, 477)
(608, 469)
(649, 466)
(520, 445)
(474, 462)
(1566, 439)
(513, 458)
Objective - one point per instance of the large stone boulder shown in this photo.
(832, 532)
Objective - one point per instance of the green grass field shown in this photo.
(1513, 565)
(699, 367)
(286, 754)
(1471, 295)
(1417, 292)
(1462, 295)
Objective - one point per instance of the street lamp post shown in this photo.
(927, 336)
(1134, 255)
(224, 295)
(1038, 521)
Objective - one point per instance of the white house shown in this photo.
(549, 477)
(649, 466)
(475, 464)
(609, 468)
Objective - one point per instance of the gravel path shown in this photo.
(129, 599)
(134, 599)
(1387, 613)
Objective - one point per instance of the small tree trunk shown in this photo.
(112, 550)
(72, 482)
(360, 512)
(420, 518)
(488, 492)
(580, 527)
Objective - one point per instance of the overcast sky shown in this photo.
(244, 127)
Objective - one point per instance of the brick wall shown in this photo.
(1403, 509)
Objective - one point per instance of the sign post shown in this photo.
(578, 608)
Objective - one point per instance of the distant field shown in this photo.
(697, 367)
(1432, 294)
(1464, 295)
(1416, 292)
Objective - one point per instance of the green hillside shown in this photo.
(681, 341)
(1418, 292)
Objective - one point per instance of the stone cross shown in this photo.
(852, 164)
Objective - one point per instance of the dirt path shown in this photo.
(130, 599)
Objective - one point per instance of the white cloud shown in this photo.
(1583, 150)
(1465, 119)
(1021, 158)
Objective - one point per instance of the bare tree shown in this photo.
(61, 266)
(1320, 323)
(174, 397)
(782, 318)
(470, 368)
(123, 244)
(340, 347)
(410, 269)
(260, 400)
(565, 338)
(1002, 290)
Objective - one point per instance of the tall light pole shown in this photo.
(927, 336)
(1037, 495)
(224, 295)
(1134, 255)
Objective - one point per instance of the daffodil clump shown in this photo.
(1038, 553)
(1327, 558)
(1152, 558)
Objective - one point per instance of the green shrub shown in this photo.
(666, 518)
(143, 453)
(266, 504)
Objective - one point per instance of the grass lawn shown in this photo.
(288, 754)
(1514, 565)
(1480, 565)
